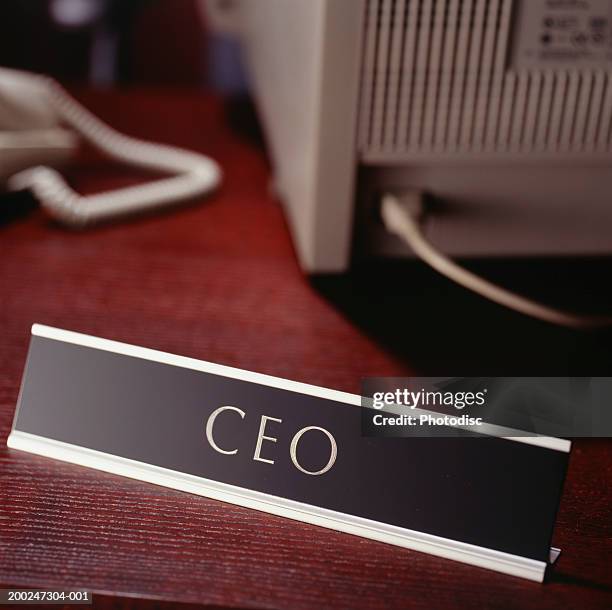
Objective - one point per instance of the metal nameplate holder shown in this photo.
(289, 449)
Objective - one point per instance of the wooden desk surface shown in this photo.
(219, 281)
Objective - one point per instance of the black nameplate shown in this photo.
(287, 448)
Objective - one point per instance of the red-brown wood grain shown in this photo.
(219, 281)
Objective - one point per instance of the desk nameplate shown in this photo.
(289, 449)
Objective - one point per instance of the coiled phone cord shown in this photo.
(193, 174)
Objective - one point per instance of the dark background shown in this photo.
(158, 42)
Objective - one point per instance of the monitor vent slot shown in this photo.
(436, 81)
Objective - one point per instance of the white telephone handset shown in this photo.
(41, 124)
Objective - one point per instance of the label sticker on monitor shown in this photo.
(563, 34)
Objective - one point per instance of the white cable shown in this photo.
(401, 216)
(194, 174)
